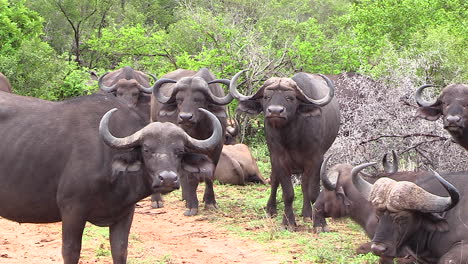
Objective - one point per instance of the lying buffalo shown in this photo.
(339, 198)
(237, 166)
(130, 85)
(5, 85)
(61, 162)
(452, 104)
(301, 122)
(176, 98)
(414, 217)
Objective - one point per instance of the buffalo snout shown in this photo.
(379, 249)
(275, 109)
(166, 180)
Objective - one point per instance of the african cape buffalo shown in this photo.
(302, 119)
(5, 85)
(416, 216)
(452, 105)
(176, 98)
(60, 161)
(237, 166)
(131, 86)
(339, 198)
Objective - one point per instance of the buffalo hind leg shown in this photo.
(310, 190)
(271, 205)
(72, 232)
(118, 236)
(209, 196)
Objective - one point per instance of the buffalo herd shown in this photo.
(92, 158)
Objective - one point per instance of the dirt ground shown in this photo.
(157, 234)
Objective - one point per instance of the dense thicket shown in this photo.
(48, 47)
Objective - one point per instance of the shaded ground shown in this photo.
(157, 236)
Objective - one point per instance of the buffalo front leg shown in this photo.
(209, 196)
(118, 236)
(72, 231)
(271, 205)
(281, 174)
(156, 201)
(191, 195)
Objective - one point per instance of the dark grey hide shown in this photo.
(237, 166)
(416, 216)
(302, 119)
(176, 98)
(452, 106)
(54, 165)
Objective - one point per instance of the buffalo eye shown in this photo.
(290, 98)
(266, 97)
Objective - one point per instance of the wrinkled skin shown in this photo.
(58, 150)
(452, 106)
(184, 113)
(237, 166)
(126, 81)
(5, 85)
(298, 134)
(346, 201)
(429, 236)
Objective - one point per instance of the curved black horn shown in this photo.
(362, 185)
(390, 167)
(324, 177)
(114, 142)
(233, 88)
(213, 140)
(446, 203)
(103, 87)
(148, 89)
(325, 100)
(221, 100)
(159, 96)
(420, 100)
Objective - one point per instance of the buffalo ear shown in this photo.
(217, 110)
(346, 201)
(167, 110)
(144, 98)
(435, 223)
(431, 113)
(309, 110)
(199, 165)
(250, 107)
(125, 163)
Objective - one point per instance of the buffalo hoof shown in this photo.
(157, 204)
(191, 212)
(320, 229)
(211, 207)
(290, 228)
(307, 219)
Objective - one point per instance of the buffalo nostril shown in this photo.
(378, 248)
(185, 116)
(168, 177)
(452, 118)
(275, 109)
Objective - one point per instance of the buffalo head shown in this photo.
(281, 99)
(403, 209)
(452, 104)
(128, 84)
(188, 94)
(165, 148)
(338, 196)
